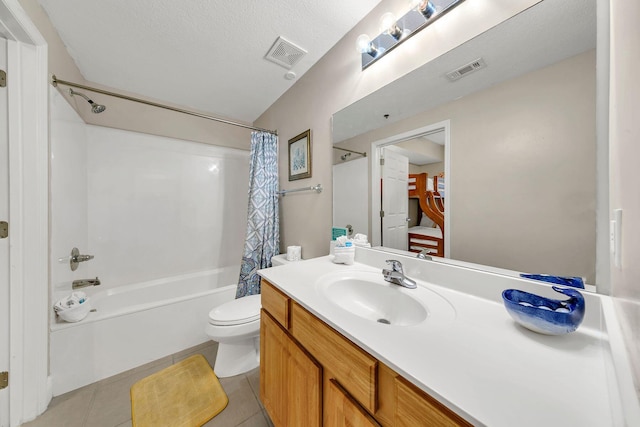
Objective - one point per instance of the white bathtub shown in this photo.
(136, 324)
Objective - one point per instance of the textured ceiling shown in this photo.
(204, 54)
(548, 32)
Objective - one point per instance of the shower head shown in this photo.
(95, 108)
(345, 156)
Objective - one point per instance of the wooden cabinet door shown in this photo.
(273, 347)
(416, 408)
(342, 410)
(290, 380)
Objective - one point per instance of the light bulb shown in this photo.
(387, 22)
(363, 44)
(388, 25)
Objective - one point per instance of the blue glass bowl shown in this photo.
(544, 315)
(573, 281)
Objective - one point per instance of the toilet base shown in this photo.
(237, 358)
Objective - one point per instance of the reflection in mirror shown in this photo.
(426, 222)
(521, 185)
(402, 182)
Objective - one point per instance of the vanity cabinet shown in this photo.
(311, 375)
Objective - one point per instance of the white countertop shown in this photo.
(473, 357)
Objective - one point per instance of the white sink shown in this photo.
(369, 296)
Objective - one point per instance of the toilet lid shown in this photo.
(236, 312)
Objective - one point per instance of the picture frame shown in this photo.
(300, 156)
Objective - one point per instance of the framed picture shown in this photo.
(300, 156)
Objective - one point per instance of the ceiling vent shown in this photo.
(285, 53)
(466, 69)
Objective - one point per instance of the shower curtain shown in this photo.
(263, 226)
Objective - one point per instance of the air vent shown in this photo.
(285, 53)
(466, 69)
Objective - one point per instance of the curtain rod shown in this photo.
(351, 151)
(55, 82)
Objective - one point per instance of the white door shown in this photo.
(4, 243)
(395, 199)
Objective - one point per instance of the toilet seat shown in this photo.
(237, 312)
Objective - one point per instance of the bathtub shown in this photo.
(136, 324)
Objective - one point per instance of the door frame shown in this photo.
(27, 86)
(375, 237)
(4, 242)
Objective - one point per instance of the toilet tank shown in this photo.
(279, 260)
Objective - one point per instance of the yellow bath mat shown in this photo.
(187, 394)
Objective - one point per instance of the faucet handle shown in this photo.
(425, 254)
(76, 258)
(395, 265)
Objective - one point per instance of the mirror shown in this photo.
(521, 184)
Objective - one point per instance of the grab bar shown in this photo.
(317, 188)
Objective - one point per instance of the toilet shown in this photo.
(235, 325)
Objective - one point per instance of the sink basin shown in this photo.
(368, 296)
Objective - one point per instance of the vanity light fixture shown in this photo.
(395, 31)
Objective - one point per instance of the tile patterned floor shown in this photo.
(107, 402)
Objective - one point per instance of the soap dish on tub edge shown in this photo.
(545, 315)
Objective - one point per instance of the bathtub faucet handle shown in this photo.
(83, 283)
(76, 258)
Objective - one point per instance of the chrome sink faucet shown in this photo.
(396, 275)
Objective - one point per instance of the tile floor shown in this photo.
(107, 402)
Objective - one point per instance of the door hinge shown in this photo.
(381, 162)
(381, 214)
(4, 229)
(3, 78)
(4, 380)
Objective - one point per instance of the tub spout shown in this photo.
(83, 283)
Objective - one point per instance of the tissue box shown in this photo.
(294, 253)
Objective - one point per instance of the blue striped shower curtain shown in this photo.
(263, 225)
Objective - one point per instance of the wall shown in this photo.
(625, 175)
(333, 83)
(432, 169)
(145, 206)
(161, 207)
(350, 193)
(68, 187)
(423, 146)
(337, 81)
(531, 140)
(129, 115)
